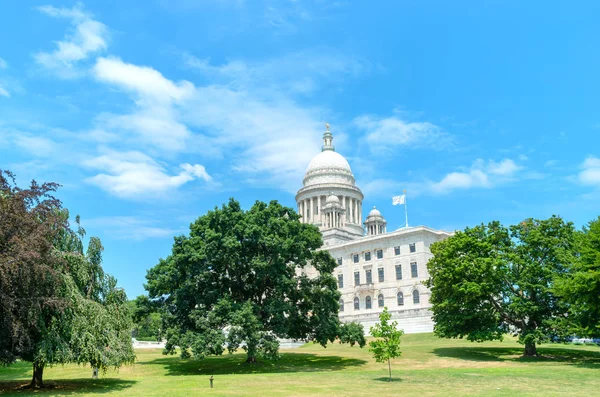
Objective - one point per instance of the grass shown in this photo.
(428, 367)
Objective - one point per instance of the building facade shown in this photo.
(376, 268)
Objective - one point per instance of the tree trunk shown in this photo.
(530, 349)
(390, 369)
(94, 373)
(38, 371)
(251, 360)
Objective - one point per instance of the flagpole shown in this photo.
(406, 209)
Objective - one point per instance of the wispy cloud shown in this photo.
(133, 175)
(155, 118)
(298, 72)
(506, 167)
(386, 134)
(3, 64)
(88, 37)
(129, 227)
(38, 146)
(3, 92)
(267, 135)
(480, 175)
(590, 172)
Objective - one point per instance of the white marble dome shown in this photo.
(333, 199)
(327, 160)
(374, 212)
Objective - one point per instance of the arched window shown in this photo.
(356, 304)
(416, 297)
(380, 300)
(400, 298)
(368, 302)
(341, 305)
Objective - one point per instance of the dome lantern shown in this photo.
(375, 223)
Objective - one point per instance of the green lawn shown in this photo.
(429, 367)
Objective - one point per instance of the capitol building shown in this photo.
(376, 267)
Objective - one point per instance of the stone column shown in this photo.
(344, 206)
(359, 212)
(319, 206)
(306, 210)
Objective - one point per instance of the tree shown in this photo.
(489, 280)
(581, 287)
(101, 320)
(32, 286)
(56, 304)
(239, 280)
(146, 318)
(387, 346)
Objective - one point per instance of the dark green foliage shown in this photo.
(489, 280)
(387, 343)
(242, 272)
(146, 319)
(352, 333)
(581, 288)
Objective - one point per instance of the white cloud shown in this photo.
(143, 81)
(3, 92)
(37, 145)
(385, 134)
(480, 175)
(590, 173)
(506, 167)
(300, 72)
(88, 37)
(264, 134)
(129, 227)
(134, 174)
(3, 64)
(156, 97)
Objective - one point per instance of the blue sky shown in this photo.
(151, 113)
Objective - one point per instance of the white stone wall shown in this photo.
(411, 317)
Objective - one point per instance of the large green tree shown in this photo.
(490, 280)
(581, 287)
(238, 280)
(56, 303)
(146, 318)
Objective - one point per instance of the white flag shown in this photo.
(399, 200)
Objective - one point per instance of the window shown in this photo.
(356, 304)
(412, 247)
(340, 281)
(367, 256)
(380, 300)
(398, 272)
(356, 278)
(355, 258)
(397, 250)
(368, 302)
(341, 305)
(379, 254)
(414, 272)
(339, 260)
(400, 299)
(369, 277)
(381, 275)
(416, 297)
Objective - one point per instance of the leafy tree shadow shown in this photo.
(235, 364)
(582, 358)
(387, 379)
(67, 387)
